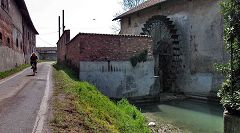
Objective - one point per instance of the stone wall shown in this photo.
(231, 123)
(200, 26)
(10, 58)
(119, 79)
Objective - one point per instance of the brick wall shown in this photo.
(61, 46)
(17, 34)
(104, 47)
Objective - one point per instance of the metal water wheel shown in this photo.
(166, 49)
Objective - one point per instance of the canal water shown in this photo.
(189, 115)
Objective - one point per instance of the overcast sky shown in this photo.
(91, 16)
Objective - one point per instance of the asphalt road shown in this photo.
(23, 100)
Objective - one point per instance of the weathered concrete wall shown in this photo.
(231, 123)
(10, 58)
(118, 78)
(200, 26)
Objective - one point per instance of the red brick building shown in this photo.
(101, 47)
(105, 61)
(17, 34)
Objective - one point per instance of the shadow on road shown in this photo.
(30, 75)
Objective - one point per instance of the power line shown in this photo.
(46, 41)
(49, 33)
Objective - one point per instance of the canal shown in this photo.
(190, 116)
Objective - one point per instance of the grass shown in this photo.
(13, 71)
(80, 107)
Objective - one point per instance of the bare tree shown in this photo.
(116, 26)
(128, 4)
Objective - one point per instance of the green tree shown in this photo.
(230, 91)
(128, 4)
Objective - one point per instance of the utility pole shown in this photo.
(63, 25)
(59, 28)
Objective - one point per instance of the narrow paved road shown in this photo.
(23, 100)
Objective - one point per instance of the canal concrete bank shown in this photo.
(231, 123)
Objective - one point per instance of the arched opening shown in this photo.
(165, 50)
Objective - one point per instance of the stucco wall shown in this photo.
(200, 26)
(118, 78)
(10, 58)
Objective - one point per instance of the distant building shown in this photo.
(47, 53)
(17, 34)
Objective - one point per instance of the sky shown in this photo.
(88, 16)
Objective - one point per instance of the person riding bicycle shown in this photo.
(33, 60)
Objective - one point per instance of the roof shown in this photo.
(45, 48)
(144, 5)
(120, 35)
(24, 11)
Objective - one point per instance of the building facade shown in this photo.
(187, 41)
(17, 34)
(107, 61)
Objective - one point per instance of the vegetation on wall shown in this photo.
(230, 90)
(142, 57)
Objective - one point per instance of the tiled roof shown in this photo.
(122, 35)
(144, 5)
(126, 35)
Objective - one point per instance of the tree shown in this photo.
(128, 4)
(230, 91)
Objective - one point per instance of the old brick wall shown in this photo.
(61, 46)
(17, 40)
(104, 47)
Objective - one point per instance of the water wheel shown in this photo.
(166, 49)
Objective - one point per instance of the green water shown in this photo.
(189, 115)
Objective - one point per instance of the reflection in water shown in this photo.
(188, 115)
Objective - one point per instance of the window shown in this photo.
(0, 38)
(21, 44)
(8, 42)
(17, 43)
(4, 4)
(129, 21)
(28, 36)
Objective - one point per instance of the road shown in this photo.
(24, 99)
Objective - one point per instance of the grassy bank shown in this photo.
(80, 107)
(13, 71)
